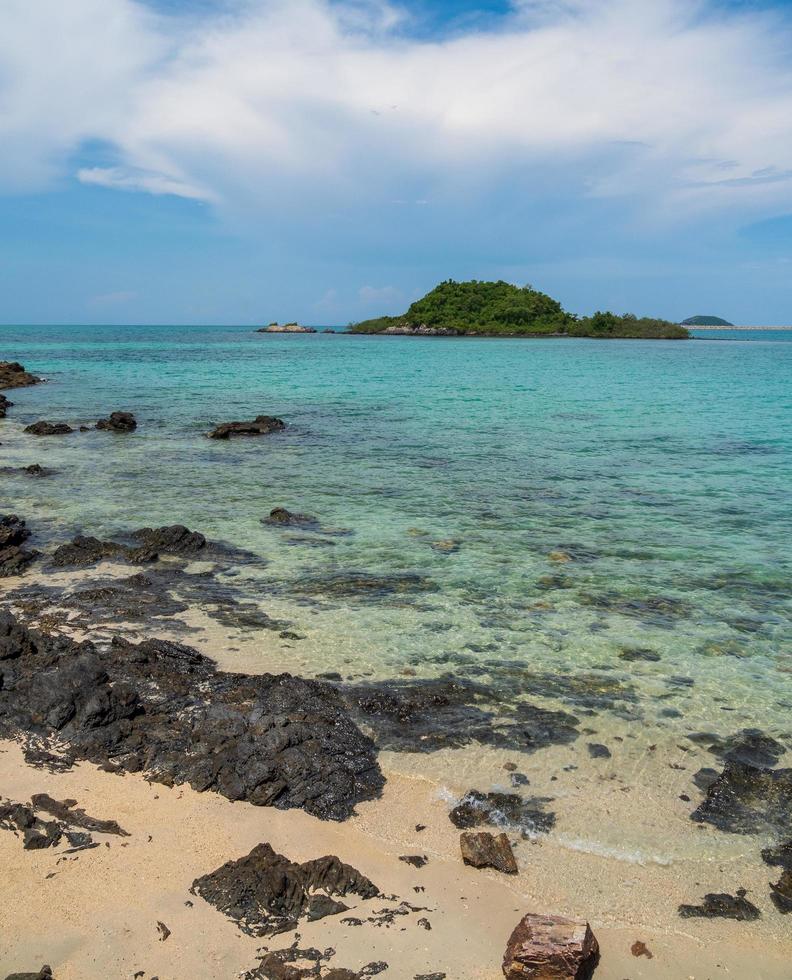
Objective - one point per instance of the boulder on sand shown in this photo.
(261, 425)
(550, 947)
(481, 849)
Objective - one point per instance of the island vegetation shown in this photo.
(500, 309)
(706, 321)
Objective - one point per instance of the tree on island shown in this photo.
(500, 309)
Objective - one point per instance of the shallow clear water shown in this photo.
(658, 473)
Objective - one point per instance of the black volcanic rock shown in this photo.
(260, 426)
(118, 422)
(5, 404)
(86, 550)
(722, 906)
(164, 709)
(504, 810)
(174, 540)
(14, 559)
(48, 429)
(265, 893)
(746, 799)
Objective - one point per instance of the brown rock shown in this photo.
(639, 948)
(549, 947)
(480, 849)
(13, 375)
(261, 425)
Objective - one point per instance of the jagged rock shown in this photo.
(36, 833)
(781, 892)
(5, 404)
(550, 947)
(300, 964)
(14, 559)
(165, 709)
(118, 422)
(38, 758)
(750, 746)
(748, 799)
(502, 810)
(779, 856)
(416, 860)
(45, 973)
(722, 906)
(67, 812)
(262, 425)
(13, 375)
(481, 849)
(174, 540)
(44, 428)
(265, 893)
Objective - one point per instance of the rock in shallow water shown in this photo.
(260, 426)
(164, 709)
(748, 799)
(781, 892)
(502, 810)
(44, 428)
(118, 422)
(13, 375)
(265, 893)
(549, 947)
(14, 559)
(481, 849)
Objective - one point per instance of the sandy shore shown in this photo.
(623, 854)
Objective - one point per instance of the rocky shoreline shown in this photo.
(161, 710)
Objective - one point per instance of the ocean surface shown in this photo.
(534, 511)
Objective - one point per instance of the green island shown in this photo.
(706, 321)
(500, 309)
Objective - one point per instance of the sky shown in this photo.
(243, 161)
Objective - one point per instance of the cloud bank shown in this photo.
(268, 108)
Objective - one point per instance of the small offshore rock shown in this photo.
(118, 422)
(481, 849)
(45, 428)
(281, 516)
(260, 426)
(550, 947)
(13, 375)
(502, 810)
(722, 906)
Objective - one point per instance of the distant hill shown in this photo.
(706, 321)
(500, 309)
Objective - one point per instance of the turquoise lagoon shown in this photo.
(660, 470)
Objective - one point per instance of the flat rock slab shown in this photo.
(481, 849)
(550, 947)
(722, 906)
(261, 425)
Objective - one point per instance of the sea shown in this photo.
(598, 526)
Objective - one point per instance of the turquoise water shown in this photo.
(560, 499)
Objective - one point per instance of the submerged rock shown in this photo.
(281, 516)
(364, 585)
(502, 810)
(5, 404)
(118, 422)
(722, 906)
(164, 709)
(549, 947)
(261, 425)
(750, 746)
(481, 849)
(83, 551)
(265, 893)
(13, 375)
(447, 712)
(748, 799)
(44, 428)
(779, 856)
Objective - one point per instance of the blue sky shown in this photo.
(238, 161)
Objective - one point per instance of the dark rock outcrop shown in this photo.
(22, 820)
(549, 947)
(14, 559)
(13, 375)
(45, 973)
(748, 799)
(118, 422)
(261, 425)
(164, 709)
(265, 893)
(481, 849)
(502, 810)
(779, 856)
(86, 550)
(173, 540)
(781, 892)
(5, 404)
(449, 712)
(722, 906)
(69, 813)
(295, 963)
(44, 428)
(281, 516)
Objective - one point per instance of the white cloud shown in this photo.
(282, 105)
